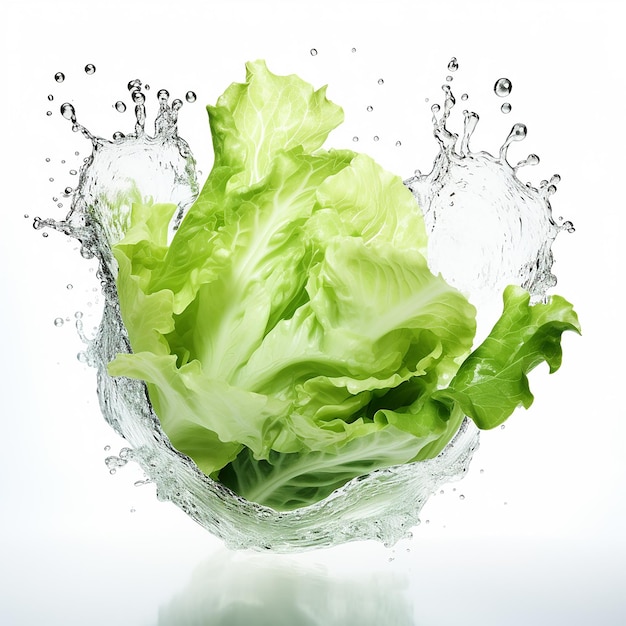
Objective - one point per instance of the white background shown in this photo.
(74, 553)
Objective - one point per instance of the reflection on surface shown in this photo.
(233, 589)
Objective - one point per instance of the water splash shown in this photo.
(384, 505)
(486, 228)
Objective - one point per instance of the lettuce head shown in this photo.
(291, 335)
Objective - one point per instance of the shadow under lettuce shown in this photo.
(234, 588)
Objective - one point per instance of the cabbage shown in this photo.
(291, 335)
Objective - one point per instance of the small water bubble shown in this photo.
(461, 497)
(556, 179)
(464, 96)
(112, 471)
(449, 79)
(48, 113)
(355, 138)
(107, 448)
(78, 315)
(353, 50)
(68, 111)
(435, 108)
(90, 68)
(453, 65)
(51, 180)
(55, 199)
(58, 322)
(427, 521)
(120, 107)
(62, 161)
(381, 81)
(569, 227)
(134, 84)
(376, 137)
(76, 153)
(132, 510)
(503, 87)
(26, 216)
(73, 172)
(163, 95)
(47, 159)
(177, 104)
(505, 108)
(69, 286)
(60, 205)
(502, 426)
(59, 77)
(146, 87)
(190, 96)
(370, 108)
(50, 97)
(82, 357)
(313, 52)
(398, 144)
(44, 235)
(118, 135)
(137, 96)
(67, 191)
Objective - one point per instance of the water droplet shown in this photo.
(353, 50)
(313, 52)
(134, 84)
(45, 235)
(51, 180)
(68, 111)
(69, 286)
(190, 96)
(163, 95)
(90, 68)
(398, 144)
(505, 108)
(137, 96)
(381, 81)
(132, 510)
(376, 137)
(118, 135)
(58, 321)
(47, 159)
(48, 113)
(177, 104)
(73, 172)
(453, 65)
(59, 77)
(482, 471)
(82, 357)
(449, 79)
(427, 521)
(120, 107)
(355, 138)
(569, 227)
(60, 205)
(78, 315)
(26, 215)
(461, 497)
(107, 448)
(464, 96)
(67, 191)
(112, 471)
(503, 87)
(503, 426)
(370, 108)
(435, 108)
